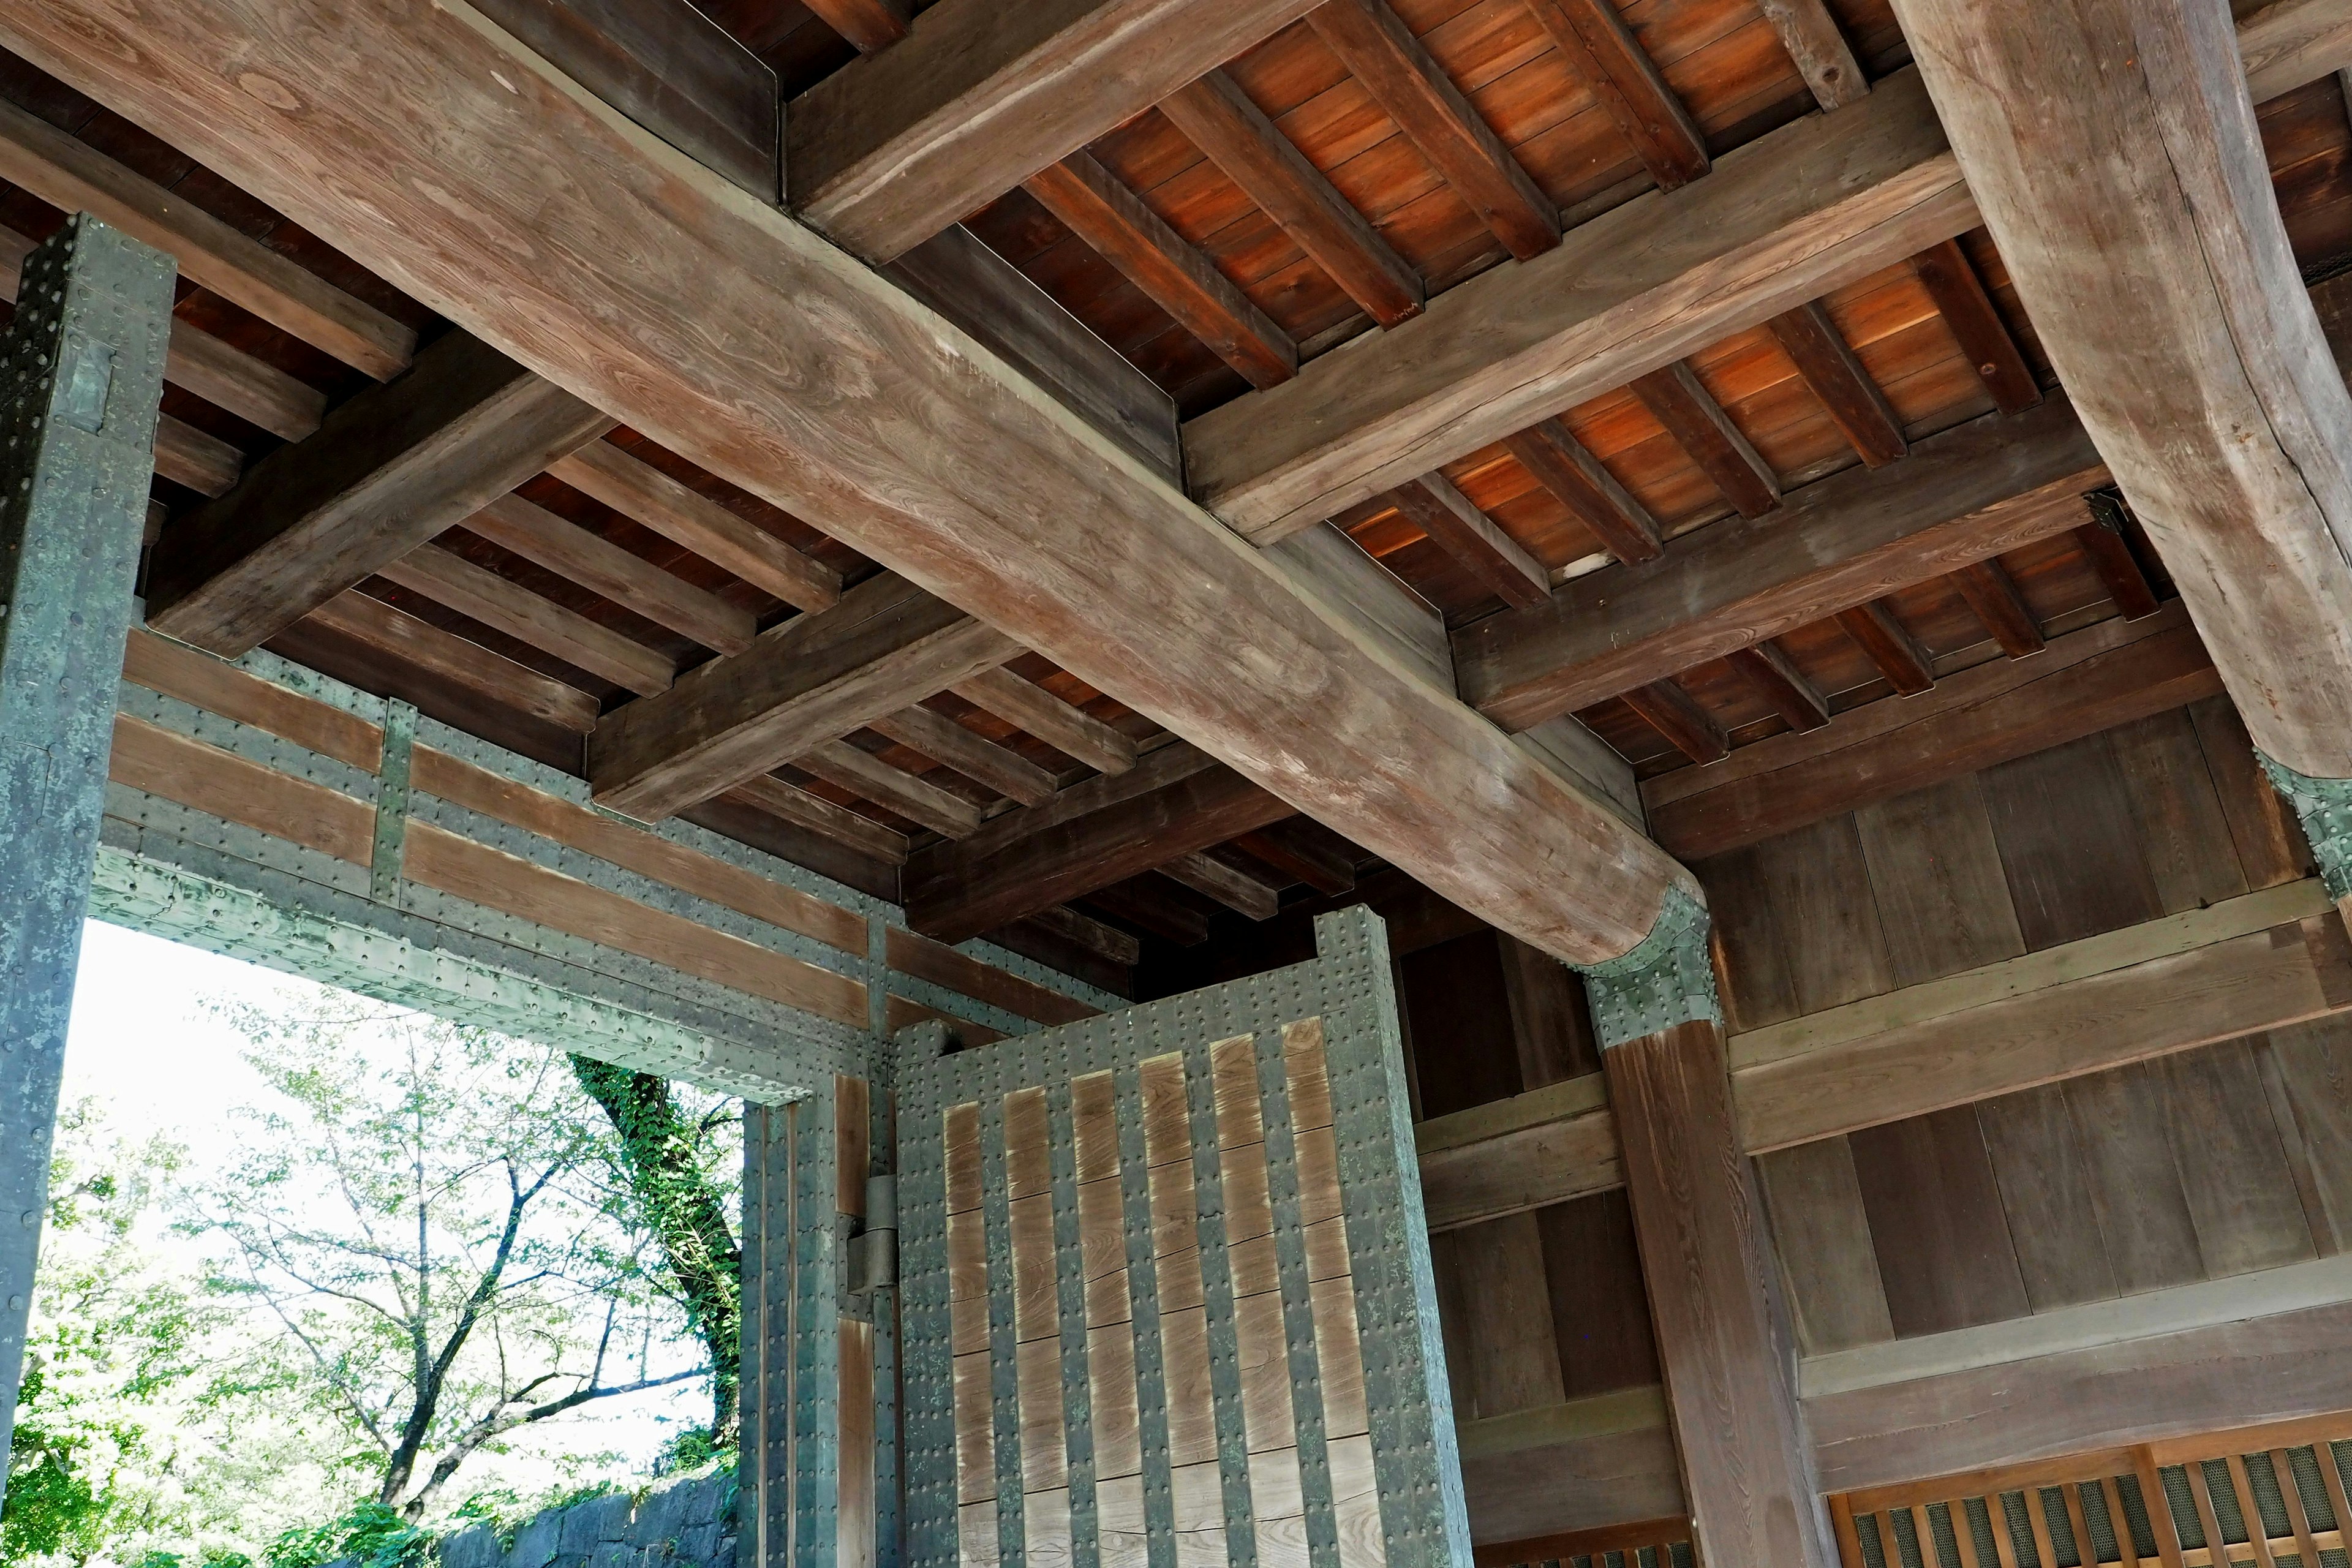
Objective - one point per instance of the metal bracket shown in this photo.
(1663, 980)
(2324, 806)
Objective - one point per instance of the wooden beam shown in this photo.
(1230, 885)
(1830, 369)
(400, 635)
(2089, 681)
(2103, 538)
(508, 607)
(1971, 492)
(1381, 53)
(1071, 730)
(1992, 593)
(692, 521)
(945, 741)
(1216, 116)
(73, 176)
(886, 645)
(1820, 203)
(2221, 410)
(1675, 714)
(1176, 801)
(1700, 427)
(890, 151)
(1882, 638)
(1168, 269)
(187, 456)
(1298, 851)
(1156, 908)
(1816, 42)
(868, 25)
(595, 563)
(1771, 675)
(861, 773)
(785, 367)
(1558, 462)
(818, 815)
(1961, 299)
(388, 470)
(1456, 525)
(1717, 1312)
(1598, 46)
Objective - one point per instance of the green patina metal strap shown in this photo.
(392, 802)
(1663, 980)
(2324, 806)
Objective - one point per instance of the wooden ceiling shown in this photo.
(1324, 188)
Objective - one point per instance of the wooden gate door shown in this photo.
(1167, 1287)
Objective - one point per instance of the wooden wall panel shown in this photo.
(1463, 1050)
(1511, 1356)
(2064, 822)
(1943, 900)
(2135, 1188)
(2313, 1063)
(2037, 1156)
(1822, 1235)
(1599, 1312)
(1550, 1023)
(2184, 838)
(2233, 1168)
(1799, 928)
(1937, 1222)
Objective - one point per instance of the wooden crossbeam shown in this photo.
(886, 154)
(500, 680)
(1817, 204)
(868, 25)
(2219, 406)
(1298, 851)
(1993, 593)
(1237, 889)
(1558, 462)
(1670, 710)
(387, 471)
(860, 772)
(1885, 642)
(1456, 525)
(1701, 428)
(1816, 42)
(1070, 730)
(945, 741)
(1969, 493)
(1770, 674)
(786, 368)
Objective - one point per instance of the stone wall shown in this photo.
(688, 1525)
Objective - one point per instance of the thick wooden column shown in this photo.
(1722, 1334)
(2112, 148)
(81, 374)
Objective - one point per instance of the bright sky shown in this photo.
(142, 1042)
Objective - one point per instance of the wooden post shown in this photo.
(81, 374)
(1723, 1342)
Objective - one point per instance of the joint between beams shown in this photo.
(1663, 980)
(2324, 808)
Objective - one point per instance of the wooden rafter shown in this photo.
(1593, 39)
(1433, 505)
(1828, 366)
(692, 521)
(1701, 428)
(1882, 639)
(598, 564)
(1951, 281)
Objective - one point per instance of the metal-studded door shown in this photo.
(1167, 1290)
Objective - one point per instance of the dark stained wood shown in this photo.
(1159, 910)
(409, 641)
(1961, 299)
(1815, 41)
(1716, 1311)
(1167, 267)
(1674, 712)
(868, 25)
(1935, 878)
(1771, 675)
(1598, 1307)
(850, 767)
(1220, 118)
(1176, 801)
(886, 645)
(1701, 428)
(820, 815)
(1072, 731)
(1433, 505)
(1974, 490)
(2269, 840)
(2222, 408)
(1062, 939)
(543, 539)
(889, 151)
(1937, 1222)
(1235, 887)
(2240, 1190)
(1383, 54)
(1600, 49)
(1550, 1022)
(670, 69)
(944, 741)
(1799, 930)
(1558, 462)
(1823, 1236)
(1828, 365)
(2036, 1147)
(1874, 629)
(1466, 1052)
(2103, 538)
(386, 472)
(2184, 834)
(2084, 683)
(2134, 1183)
(1300, 850)
(1992, 594)
(505, 605)
(2063, 820)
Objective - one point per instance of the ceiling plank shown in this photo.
(1383, 54)
(1474, 541)
(596, 564)
(2186, 335)
(70, 174)
(387, 471)
(1216, 116)
(1993, 593)
(1170, 269)
(1558, 461)
(1951, 281)
(886, 645)
(1830, 369)
(692, 521)
(889, 151)
(1816, 42)
(1817, 204)
(1978, 490)
(1069, 730)
(980, 760)
(1883, 639)
(503, 604)
(787, 368)
(1701, 428)
(1600, 49)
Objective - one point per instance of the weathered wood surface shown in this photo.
(387, 471)
(730, 334)
(1730, 1384)
(2181, 326)
(1973, 491)
(980, 96)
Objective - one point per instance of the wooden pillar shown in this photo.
(1714, 1302)
(81, 374)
